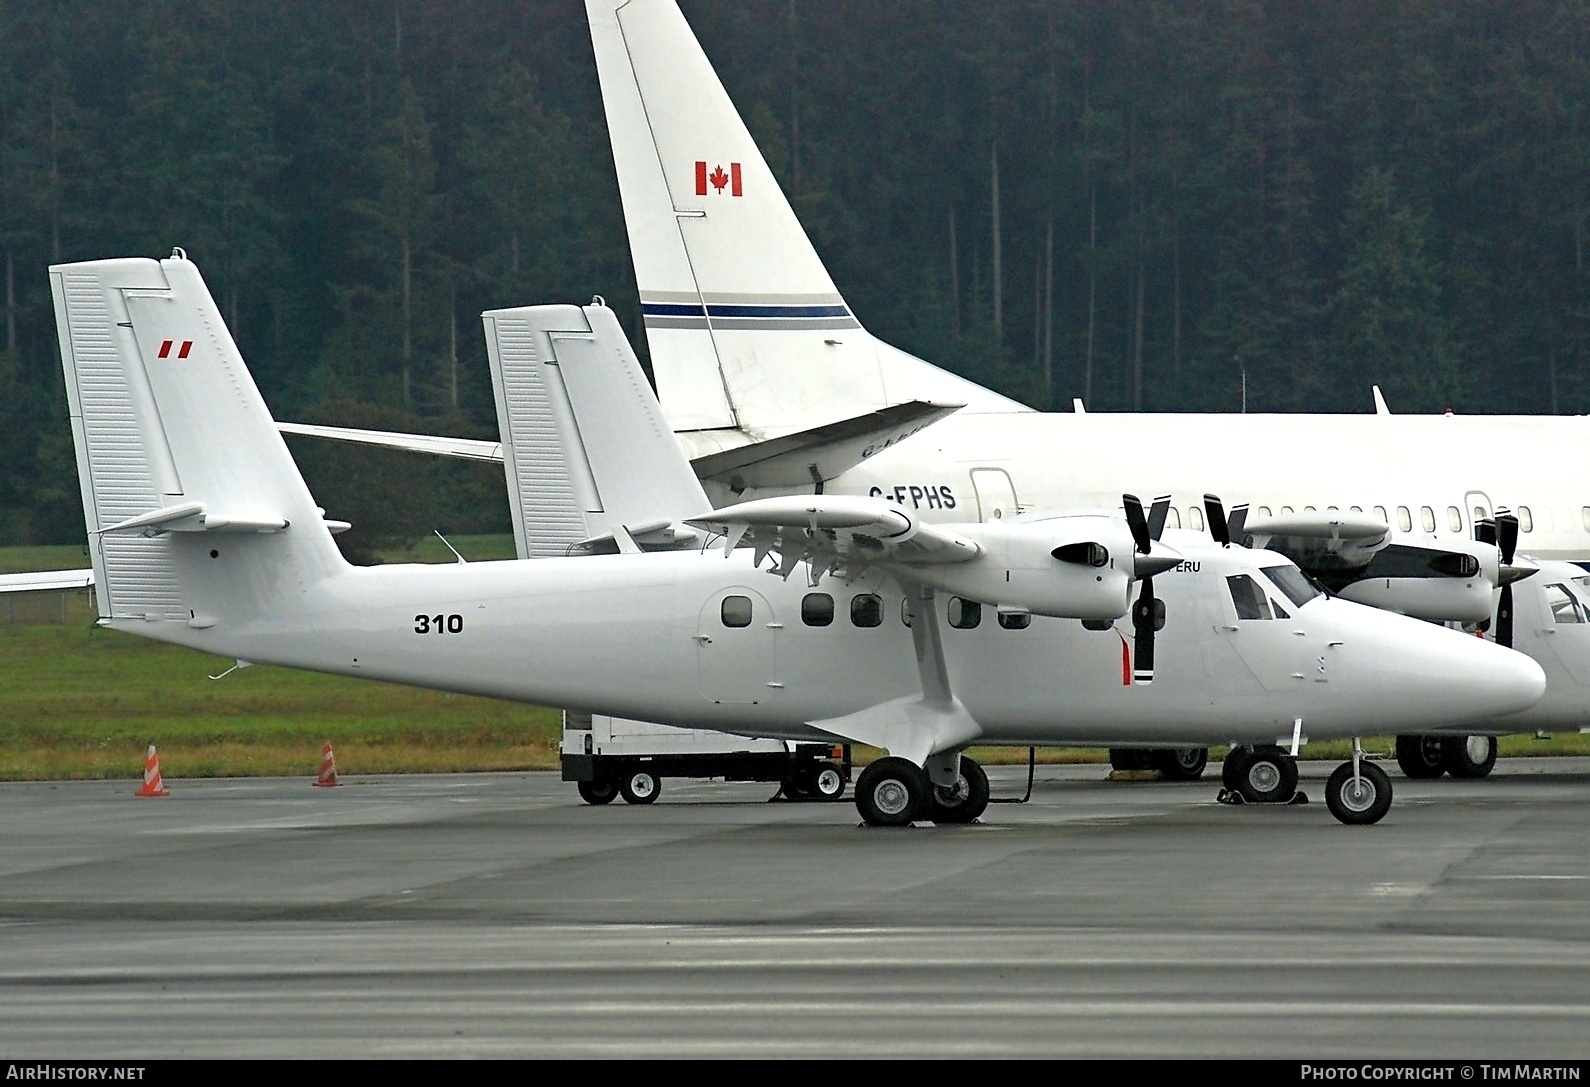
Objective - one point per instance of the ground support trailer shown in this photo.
(610, 756)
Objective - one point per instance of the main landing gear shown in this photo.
(895, 792)
(1425, 757)
(1357, 793)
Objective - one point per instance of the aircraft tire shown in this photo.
(892, 792)
(1421, 757)
(1231, 769)
(1367, 804)
(1182, 763)
(798, 786)
(1132, 758)
(958, 805)
(597, 792)
(826, 782)
(641, 787)
(1268, 776)
(1468, 757)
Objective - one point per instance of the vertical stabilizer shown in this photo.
(745, 326)
(177, 455)
(590, 461)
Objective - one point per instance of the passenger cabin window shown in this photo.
(1565, 608)
(1015, 620)
(965, 614)
(1356, 509)
(1293, 582)
(736, 611)
(1264, 511)
(1584, 515)
(1195, 521)
(1173, 518)
(1285, 510)
(1479, 514)
(1526, 520)
(1308, 509)
(1380, 512)
(817, 609)
(1248, 597)
(1427, 518)
(1454, 519)
(905, 610)
(866, 610)
(1404, 519)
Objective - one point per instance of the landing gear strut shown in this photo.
(962, 802)
(1358, 792)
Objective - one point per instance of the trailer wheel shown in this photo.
(641, 787)
(597, 792)
(827, 783)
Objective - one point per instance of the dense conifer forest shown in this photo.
(1161, 206)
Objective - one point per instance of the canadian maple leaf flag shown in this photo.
(718, 179)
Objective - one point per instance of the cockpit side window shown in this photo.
(1248, 597)
(1293, 582)
(1565, 608)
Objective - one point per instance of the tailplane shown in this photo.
(746, 329)
(194, 508)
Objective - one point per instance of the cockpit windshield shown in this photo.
(1293, 582)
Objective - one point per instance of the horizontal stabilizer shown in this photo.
(42, 580)
(464, 448)
(820, 453)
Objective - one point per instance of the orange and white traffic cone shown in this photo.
(152, 785)
(328, 768)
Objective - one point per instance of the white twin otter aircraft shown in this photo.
(918, 638)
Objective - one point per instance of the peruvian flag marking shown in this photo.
(718, 179)
(182, 352)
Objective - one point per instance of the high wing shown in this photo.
(1321, 539)
(840, 533)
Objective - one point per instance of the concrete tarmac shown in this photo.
(497, 915)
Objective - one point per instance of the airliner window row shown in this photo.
(1401, 516)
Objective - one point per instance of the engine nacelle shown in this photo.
(1453, 583)
(1021, 566)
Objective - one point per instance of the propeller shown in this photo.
(1148, 611)
(1225, 530)
(1507, 543)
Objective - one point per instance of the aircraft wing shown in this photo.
(1322, 539)
(791, 459)
(466, 448)
(46, 579)
(843, 533)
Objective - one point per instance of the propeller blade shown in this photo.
(1145, 611)
(1137, 522)
(1157, 513)
(1236, 523)
(1504, 618)
(1485, 530)
(1506, 534)
(1217, 520)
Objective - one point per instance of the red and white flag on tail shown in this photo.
(718, 179)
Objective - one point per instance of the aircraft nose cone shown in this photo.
(1442, 677)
